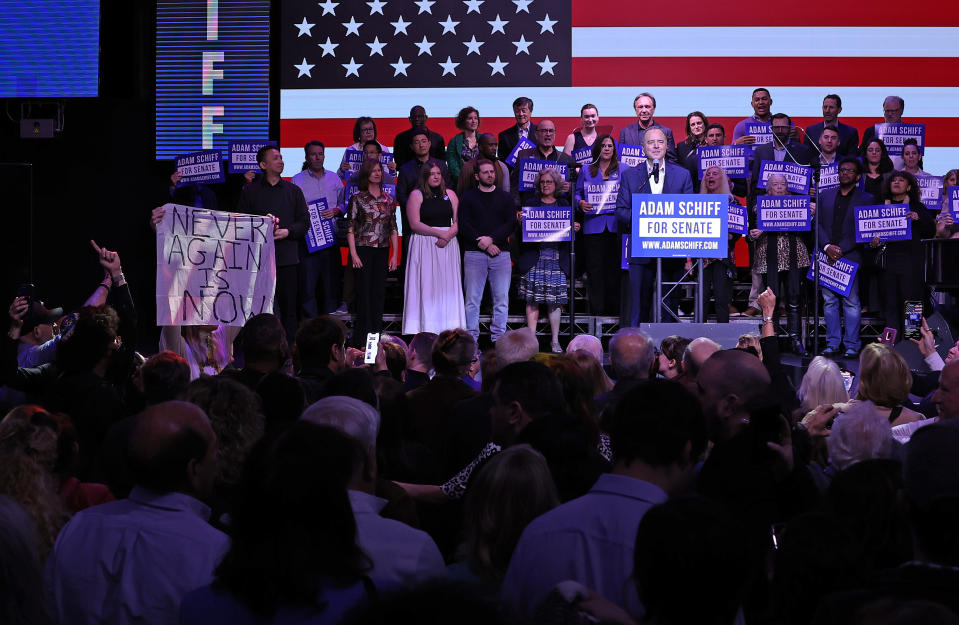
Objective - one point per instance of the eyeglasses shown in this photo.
(546, 131)
(847, 170)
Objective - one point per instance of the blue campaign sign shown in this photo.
(321, 234)
(243, 155)
(583, 156)
(354, 158)
(200, 167)
(829, 177)
(530, 167)
(952, 193)
(630, 155)
(894, 135)
(836, 276)
(602, 195)
(762, 131)
(546, 224)
(522, 144)
(733, 159)
(352, 189)
(798, 177)
(736, 219)
(930, 191)
(889, 222)
(783, 213)
(679, 226)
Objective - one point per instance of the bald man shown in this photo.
(132, 560)
(696, 353)
(726, 396)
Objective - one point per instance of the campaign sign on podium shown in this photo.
(679, 226)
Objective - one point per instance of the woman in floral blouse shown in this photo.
(374, 248)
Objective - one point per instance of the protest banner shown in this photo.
(200, 167)
(930, 191)
(530, 167)
(736, 219)
(630, 155)
(213, 267)
(889, 222)
(894, 135)
(243, 155)
(828, 177)
(602, 195)
(542, 224)
(762, 131)
(836, 276)
(798, 177)
(783, 213)
(522, 144)
(322, 232)
(679, 226)
(583, 156)
(733, 159)
(953, 194)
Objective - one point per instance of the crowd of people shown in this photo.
(299, 485)
(267, 474)
(462, 227)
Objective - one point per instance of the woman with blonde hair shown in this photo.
(822, 384)
(28, 455)
(885, 380)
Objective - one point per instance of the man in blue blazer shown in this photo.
(837, 238)
(848, 136)
(653, 176)
(645, 107)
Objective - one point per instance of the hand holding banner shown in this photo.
(679, 226)
(546, 224)
(783, 213)
(200, 167)
(322, 232)
(798, 177)
(212, 267)
(889, 222)
(836, 276)
(522, 144)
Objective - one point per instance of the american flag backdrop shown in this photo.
(340, 60)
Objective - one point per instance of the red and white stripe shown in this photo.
(691, 59)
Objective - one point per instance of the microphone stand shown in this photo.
(807, 357)
(815, 255)
(572, 265)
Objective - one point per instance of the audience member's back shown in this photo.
(131, 561)
(657, 434)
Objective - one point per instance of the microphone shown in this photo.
(656, 170)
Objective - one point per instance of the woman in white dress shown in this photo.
(433, 300)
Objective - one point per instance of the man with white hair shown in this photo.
(400, 553)
(858, 434)
(516, 346)
(587, 343)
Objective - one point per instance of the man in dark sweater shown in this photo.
(486, 217)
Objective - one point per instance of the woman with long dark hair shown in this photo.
(371, 235)
(876, 163)
(903, 264)
(433, 299)
(293, 556)
(601, 241)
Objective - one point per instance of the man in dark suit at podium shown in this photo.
(653, 176)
